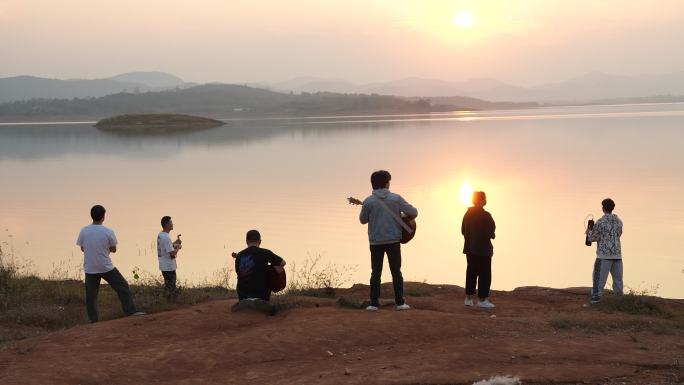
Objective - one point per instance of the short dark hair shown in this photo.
(97, 212)
(479, 196)
(380, 178)
(165, 220)
(608, 205)
(253, 235)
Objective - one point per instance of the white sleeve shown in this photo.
(168, 245)
(79, 241)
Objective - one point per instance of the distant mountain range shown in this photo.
(589, 87)
(214, 100)
(31, 87)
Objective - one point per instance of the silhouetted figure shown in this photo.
(606, 232)
(478, 229)
(167, 251)
(381, 211)
(96, 242)
(251, 269)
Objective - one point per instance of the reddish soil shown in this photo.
(542, 336)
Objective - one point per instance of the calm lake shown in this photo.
(544, 171)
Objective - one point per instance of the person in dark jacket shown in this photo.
(478, 229)
(250, 266)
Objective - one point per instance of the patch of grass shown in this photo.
(349, 302)
(565, 324)
(323, 292)
(315, 279)
(282, 303)
(58, 301)
(661, 326)
(416, 289)
(633, 303)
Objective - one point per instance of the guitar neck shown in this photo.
(354, 201)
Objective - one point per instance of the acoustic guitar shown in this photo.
(408, 224)
(275, 275)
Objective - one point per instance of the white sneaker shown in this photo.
(372, 308)
(468, 302)
(485, 304)
(139, 313)
(403, 307)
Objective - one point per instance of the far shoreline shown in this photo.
(83, 120)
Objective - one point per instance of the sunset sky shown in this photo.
(524, 42)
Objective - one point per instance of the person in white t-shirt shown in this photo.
(166, 253)
(96, 242)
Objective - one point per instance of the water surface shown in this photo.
(544, 170)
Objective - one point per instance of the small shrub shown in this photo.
(349, 302)
(415, 289)
(313, 278)
(563, 324)
(634, 303)
(47, 317)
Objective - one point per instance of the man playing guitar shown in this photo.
(382, 211)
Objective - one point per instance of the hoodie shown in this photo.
(382, 227)
(606, 233)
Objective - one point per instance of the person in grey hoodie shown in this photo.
(384, 236)
(606, 233)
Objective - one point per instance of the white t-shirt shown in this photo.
(96, 241)
(164, 249)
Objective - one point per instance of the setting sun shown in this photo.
(466, 193)
(463, 19)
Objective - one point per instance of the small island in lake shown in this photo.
(156, 123)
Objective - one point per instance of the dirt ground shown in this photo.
(542, 336)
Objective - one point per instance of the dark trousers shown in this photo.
(170, 283)
(117, 282)
(479, 272)
(595, 278)
(393, 251)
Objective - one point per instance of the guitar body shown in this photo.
(406, 236)
(276, 278)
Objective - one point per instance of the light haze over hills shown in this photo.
(31, 87)
(589, 87)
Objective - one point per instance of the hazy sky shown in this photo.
(524, 42)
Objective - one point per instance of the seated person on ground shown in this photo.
(251, 268)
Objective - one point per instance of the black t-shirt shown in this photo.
(250, 266)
